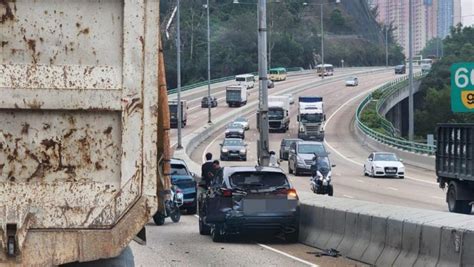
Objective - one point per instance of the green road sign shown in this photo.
(462, 87)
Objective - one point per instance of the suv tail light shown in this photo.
(226, 192)
(291, 194)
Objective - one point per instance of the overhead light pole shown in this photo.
(178, 69)
(411, 123)
(263, 142)
(209, 105)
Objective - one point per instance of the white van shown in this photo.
(247, 80)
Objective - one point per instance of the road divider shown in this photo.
(386, 235)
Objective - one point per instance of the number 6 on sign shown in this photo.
(462, 87)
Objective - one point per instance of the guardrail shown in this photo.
(386, 90)
(219, 80)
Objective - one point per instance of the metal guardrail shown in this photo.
(219, 80)
(387, 90)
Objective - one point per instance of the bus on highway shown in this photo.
(327, 69)
(277, 74)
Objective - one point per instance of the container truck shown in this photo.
(278, 113)
(455, 165)
(311, 118)
(84, 127)
(236, 95)
(173, 108)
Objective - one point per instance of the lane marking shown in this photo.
(392, 188)
(351, 197)
(360, 181)
(203, 156)
(353, 161)
(281, 252)
(288, 255)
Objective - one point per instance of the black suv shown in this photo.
(400, 69)
(204, 102)
(249, 200)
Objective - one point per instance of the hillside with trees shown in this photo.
(294, 29)
(433, 102)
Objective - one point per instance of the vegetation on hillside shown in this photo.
(294, 36)
(433, 103)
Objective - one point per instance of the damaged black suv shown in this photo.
(249, 199)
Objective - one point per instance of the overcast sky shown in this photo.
(467, 8)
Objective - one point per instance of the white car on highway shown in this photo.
(384, 164)
(352, 81)
(242, 121)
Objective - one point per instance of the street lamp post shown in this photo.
(322, 43)
(263, 142)
(178, 67)
(411, 124)
(208, 66)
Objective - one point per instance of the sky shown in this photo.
(467, 10)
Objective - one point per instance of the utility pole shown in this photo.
(178, 66)
(263, 142)
(208, 66)
(411, 123)
(386, 46)
(322, 43)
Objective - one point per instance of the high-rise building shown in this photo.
(449, 15)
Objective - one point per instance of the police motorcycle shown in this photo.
(320, 181)
(174, 200)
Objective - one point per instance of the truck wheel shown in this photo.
(457, 206)
(204, 229)
(125, 259)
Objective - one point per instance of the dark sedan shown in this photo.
(233, 148)
(235, 130)
(205, 102)
(185, 180)
(285, 147)
(249, 200)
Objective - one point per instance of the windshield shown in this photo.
(385, 157)
(258, 180)
(234, 126)
(178, 169)
(173, 108)
(276, 114)
(240, 119)
(311, 149)
(287, 142)
(240, 79)
(317, 117)
(237, 142)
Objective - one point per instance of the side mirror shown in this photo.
(221, 144)
(333, 166)
(325, 117)
(298, 118)
(370, 159)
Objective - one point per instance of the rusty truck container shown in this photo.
(79, 127)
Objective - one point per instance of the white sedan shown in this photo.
(352, 81)
(383, 164)
(243, 121)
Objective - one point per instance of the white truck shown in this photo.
(311, 118)
(84, 140)
(278, 113)
(236, 95)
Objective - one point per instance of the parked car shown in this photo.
(285, 147)
(249, 200)
(243, 121)
(384, 164)
(235, 130)
(270, 84)
(204, 102)
(400, 69)
(301, 155)
(352, 81)
(186, 181)
(233, 148)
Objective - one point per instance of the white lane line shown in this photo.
(353, 161)
(203, 156)
(281, 252)
(288, 255)
(392, 188)
(351, 197)
(360, 181)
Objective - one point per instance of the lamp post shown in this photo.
(208, 66)
(178, 67)
(411, 124)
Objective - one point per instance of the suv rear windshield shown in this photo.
(178, 169)
(258, 180)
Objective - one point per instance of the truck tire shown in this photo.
(204, 229)
(454, 205)
(125, 259)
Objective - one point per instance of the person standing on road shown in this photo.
(206, 169)
(215, 173)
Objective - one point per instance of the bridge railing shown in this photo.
(382, 93)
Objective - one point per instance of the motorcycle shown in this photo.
(173, 202)
(320, 181)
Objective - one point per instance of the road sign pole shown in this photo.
(411, 122)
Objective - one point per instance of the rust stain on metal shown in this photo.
(4, 43)
(84, 31)
(8, 15)
(108, 130)
(25, 128)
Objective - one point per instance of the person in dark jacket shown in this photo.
(215, 173)
(206, 169)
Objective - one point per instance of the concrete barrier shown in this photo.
(386, 235)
